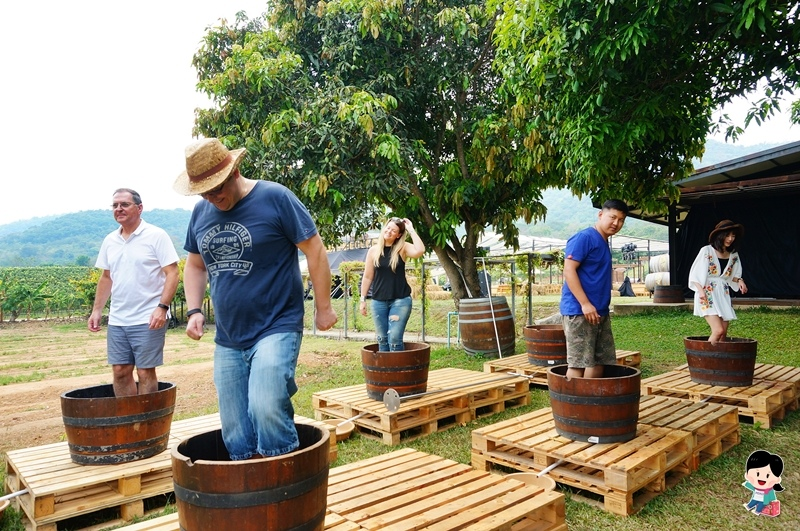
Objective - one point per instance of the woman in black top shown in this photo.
(385, 273)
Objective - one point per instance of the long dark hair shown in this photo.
(719, 241)
(762, 458)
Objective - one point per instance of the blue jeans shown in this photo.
(254, 388)
(390, 319)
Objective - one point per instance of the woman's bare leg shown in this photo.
(718, 328)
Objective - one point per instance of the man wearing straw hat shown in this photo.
(243, 241)
(140, 274)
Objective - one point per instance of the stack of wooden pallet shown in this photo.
(407, 490)
(673, 438)
(453, 397)
(774, 392)
(59, 489)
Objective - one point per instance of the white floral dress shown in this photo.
(706, 272)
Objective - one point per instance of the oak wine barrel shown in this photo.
(103, 429)
(405, 371)
(596, 410)
(484, 322)
(546, 344)
(286, 492)
(729, 363)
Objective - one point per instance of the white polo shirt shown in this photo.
(137, 279)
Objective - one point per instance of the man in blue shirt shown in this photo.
(586, 294)
(243, 241)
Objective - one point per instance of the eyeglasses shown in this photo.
(216, 189)
(396, 220)
(126, 204)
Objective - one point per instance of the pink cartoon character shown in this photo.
(763, 477)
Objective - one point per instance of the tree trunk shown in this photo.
(461, 269)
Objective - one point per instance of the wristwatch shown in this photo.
(363, 299)
(163, 306)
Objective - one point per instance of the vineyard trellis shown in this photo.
(48, 292)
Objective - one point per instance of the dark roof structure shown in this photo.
(769, 173)
(760, 191)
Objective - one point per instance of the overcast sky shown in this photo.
(98, 95)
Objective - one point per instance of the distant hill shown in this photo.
(717, 152)
(20, 226)
(74, 239)
(567, 214)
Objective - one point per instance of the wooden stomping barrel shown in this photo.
(729, 363)
(405, 371)
(596, 410)
(103, 429)
(279, 493)
(481, 322)
(546, 344)
(668, 294)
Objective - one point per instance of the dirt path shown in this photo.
(66, 357)
(30, 413)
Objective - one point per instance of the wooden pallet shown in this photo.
(408, 490)
(769, 371)
(456, 396)
(764, 402)
(624, 476)
(59, 489)
(538, 373)
(714, 427)
(333, 522)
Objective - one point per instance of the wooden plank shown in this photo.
(394, 492)
(333, 522)
(714, 427)
(765, 402)
(435, 493)
(769, 371)
(538, 374)
(59, 489)
(673, 438)
(454, 397)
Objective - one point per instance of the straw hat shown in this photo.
(726, 226)
(208, 164)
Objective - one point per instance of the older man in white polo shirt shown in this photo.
(140, 274)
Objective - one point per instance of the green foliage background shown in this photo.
(63, 240)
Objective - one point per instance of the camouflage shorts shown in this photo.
(587, 344)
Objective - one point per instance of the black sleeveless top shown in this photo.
(387, 284)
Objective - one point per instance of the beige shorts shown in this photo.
(587, 344)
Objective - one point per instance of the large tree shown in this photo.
(361, 106)
(625, 90)
(364, 105)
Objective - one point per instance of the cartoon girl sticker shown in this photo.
(763, 478)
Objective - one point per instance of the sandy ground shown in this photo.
(30, 412)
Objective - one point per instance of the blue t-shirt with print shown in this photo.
(250, 253)
(590, 250)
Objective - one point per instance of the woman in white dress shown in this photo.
(717, 269)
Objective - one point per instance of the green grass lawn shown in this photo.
(709, 499)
